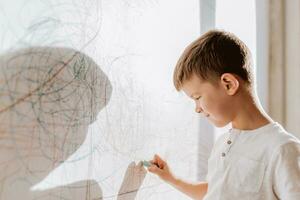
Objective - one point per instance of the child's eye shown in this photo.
(198, 98)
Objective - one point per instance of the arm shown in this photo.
(286, 171)
(193, 190)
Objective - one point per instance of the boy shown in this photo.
(257, 159)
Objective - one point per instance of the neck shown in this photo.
(250, 115)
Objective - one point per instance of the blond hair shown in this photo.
(213, 54)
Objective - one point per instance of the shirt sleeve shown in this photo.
(286, 173)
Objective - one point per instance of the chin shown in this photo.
(219, 124)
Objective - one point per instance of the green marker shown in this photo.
(148, 164)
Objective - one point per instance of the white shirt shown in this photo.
(260, 164)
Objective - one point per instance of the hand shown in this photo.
(161, 169)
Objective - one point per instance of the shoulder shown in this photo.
(279, 138)
(288, 150)
(283, 145)
(276, 137)
(264, 145)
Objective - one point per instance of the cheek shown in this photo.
(218, 106)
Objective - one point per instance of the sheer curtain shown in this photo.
(284, 63)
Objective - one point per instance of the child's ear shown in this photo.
(230, 83)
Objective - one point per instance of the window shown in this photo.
(136, 44)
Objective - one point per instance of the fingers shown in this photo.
(155, 170)
(160, 168)
(158, 165)
(158, 161)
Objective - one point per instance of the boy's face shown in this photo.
(211, 100)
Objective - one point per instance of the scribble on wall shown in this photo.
(49, 96)
(85, 93)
